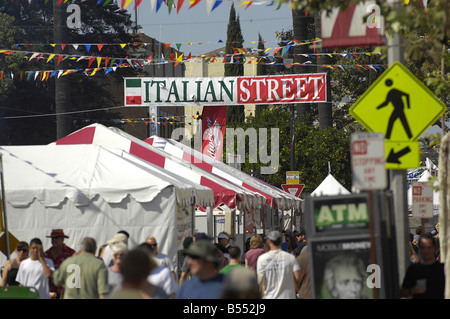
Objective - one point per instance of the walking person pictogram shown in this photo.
(395, 97)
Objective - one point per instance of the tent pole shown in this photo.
(3, 207)
(209, 221)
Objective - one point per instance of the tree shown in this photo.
(37, 98)
(261, 69)
(234, 65)
(8, 63)
(314, 149)
(425, 33)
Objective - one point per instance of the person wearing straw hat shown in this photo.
(58, 253)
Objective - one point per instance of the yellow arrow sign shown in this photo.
(402, 155)
(398, 105)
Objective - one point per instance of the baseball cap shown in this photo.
(203, 249)
(223, 235)
(119, 237)
(274, 235)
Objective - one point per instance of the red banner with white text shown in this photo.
(214, 120)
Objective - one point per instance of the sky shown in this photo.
(205, 30)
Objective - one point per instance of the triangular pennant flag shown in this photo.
(99, 61)
(179, 4)
(51, 56)
(158, 4)
(169, 5)
(100, 47)
(193, 3)
(137, 3)
(123, 45)
(91, 59)
(178, 46)
(127, 2)
(88, 47)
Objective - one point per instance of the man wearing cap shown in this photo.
(278, 271)
(206, 282)
(223, 243)
(120, 237)
(58, 253)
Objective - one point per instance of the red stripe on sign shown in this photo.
(133, 100)
(84, 136)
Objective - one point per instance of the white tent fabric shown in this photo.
(275, 197)
(226, 192)
(89, 191)
(330, 187)
(425, 177)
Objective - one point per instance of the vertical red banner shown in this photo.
(214, 120)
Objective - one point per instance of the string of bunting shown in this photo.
(111, 64)
(100, 46)
(211, 5)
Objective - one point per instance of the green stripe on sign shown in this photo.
(133, 83)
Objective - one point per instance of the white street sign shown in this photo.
(368, 161)
(422, 200)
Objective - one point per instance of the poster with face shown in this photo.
(341, 269)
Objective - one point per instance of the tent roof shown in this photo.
(273, 195)
(224, 192)
(51, 174)
(330, 186)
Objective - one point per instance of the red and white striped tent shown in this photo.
(225, 192)
(276, 198)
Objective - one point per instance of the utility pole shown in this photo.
(398, 177)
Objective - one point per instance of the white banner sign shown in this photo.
(293, 88)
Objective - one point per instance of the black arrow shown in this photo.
(394, 157)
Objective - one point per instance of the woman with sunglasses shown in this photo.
(12, 265)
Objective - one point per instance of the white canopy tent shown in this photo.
(90, 191)
(330, 187)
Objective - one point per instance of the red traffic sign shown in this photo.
(293, 189)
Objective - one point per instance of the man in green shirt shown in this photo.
(235, 259)
(83, 275)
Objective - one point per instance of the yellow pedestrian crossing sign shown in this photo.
(398, 105)
(402, 155)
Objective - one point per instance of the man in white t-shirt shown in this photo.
(162, 277)
(36, 270)
(162, 259)
(278, 271)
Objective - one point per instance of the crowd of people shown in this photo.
(274, 266)
(210, 269)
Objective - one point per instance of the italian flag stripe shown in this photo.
(133, 92)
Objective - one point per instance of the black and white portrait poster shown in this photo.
(341, 269)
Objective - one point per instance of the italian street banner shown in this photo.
(214, 119)
(177, 91)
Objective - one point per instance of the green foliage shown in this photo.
(235, 113)
(36, 98)
(8, 63)
(314, 149)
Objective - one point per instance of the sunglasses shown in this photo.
(22, 250)
(153, 245)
